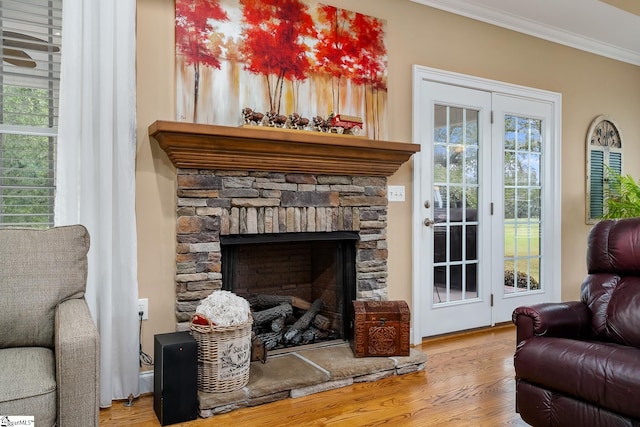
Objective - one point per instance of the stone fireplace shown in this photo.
(238, 187)
(302, 214)
(280, 222)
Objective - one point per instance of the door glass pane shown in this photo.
(509, 133)
(455, 208)
(522, 169)
(439, 164)
(522, 203)
(456, 163)
(523, 131)
(440, 284)
(439, 243)
(471, 242)
(471, 165)
(534, 278)
(457, 283)
(534, 170)
(472, 291)
(509, 168)
(456, 125)
(440, 123)
(455, 203)
(534, 204)
(457, 242)
(471, 203)
(536, 139)
(471, 135)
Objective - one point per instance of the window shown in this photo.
(30, 75)
(604, 161)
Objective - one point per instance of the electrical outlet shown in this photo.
(143, 306)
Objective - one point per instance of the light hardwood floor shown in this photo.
(469, 381)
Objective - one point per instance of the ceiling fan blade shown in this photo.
(24, 41)
(18, 58)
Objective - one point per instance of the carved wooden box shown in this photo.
(380, 328)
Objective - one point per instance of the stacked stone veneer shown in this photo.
(214, 203)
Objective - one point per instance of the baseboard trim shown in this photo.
(475, 331)
(145, 382)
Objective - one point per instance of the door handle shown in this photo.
(428, 222)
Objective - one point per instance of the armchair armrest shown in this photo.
(564, 319)
(77, 347)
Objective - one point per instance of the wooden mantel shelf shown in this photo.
(201, 146)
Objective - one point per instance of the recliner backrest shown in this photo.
(612, 286)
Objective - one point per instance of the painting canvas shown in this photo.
(282, 57)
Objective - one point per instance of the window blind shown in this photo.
(602, 165)
(596, 202)
(30, 77)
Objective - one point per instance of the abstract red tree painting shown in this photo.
(193, 37)
(371, 62)
(281, 56)
(274, 43)
(335, 48)
(350, 46)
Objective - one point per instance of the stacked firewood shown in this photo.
(286, 321)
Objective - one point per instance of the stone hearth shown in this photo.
(304, 372)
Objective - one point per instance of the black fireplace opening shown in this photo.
(300, 285)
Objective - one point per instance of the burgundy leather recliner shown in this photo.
(577, 363)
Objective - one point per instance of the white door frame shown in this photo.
(553, 199)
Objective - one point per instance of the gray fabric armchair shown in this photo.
(49, 344)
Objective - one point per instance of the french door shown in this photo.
(484, 192)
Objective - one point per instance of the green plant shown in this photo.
(623, 199)
(522, 280)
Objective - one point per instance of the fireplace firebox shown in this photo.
(302, 267)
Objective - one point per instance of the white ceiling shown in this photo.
(590, 25)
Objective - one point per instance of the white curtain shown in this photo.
(96, 174)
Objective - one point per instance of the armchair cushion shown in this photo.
(614, 302)
(602, 374)
(34, 391)
(38, 270)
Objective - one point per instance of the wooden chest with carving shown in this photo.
(380, 328)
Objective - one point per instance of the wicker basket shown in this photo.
(224, 355)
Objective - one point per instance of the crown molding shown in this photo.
(533, 28)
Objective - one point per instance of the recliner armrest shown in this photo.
(564, 319)
(77, 347)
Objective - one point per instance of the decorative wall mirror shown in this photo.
(604, 157)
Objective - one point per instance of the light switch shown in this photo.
(395, 193)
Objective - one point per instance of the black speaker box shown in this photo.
(175, 378)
